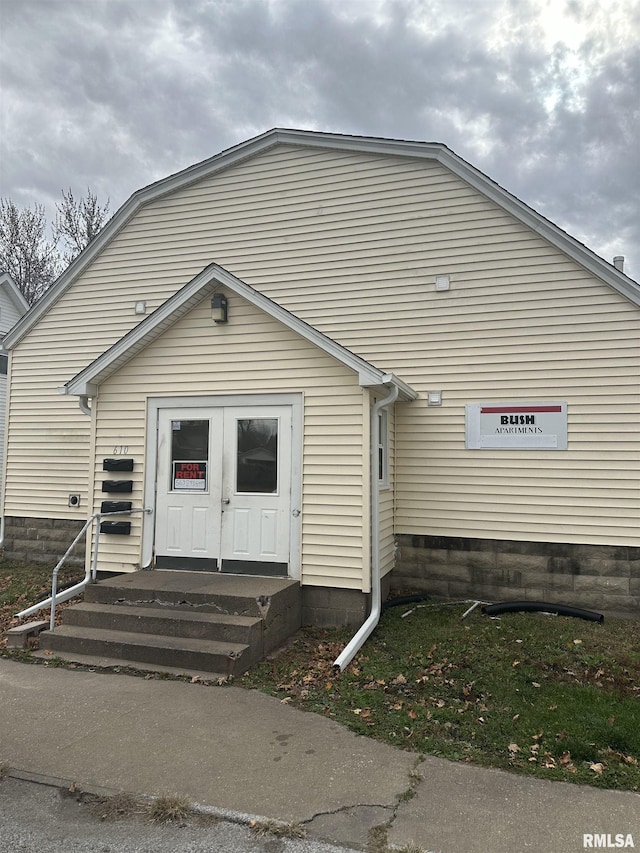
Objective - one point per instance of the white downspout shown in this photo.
(357, 641)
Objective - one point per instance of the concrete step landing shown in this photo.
(191, 621)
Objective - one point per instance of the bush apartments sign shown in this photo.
(516, 426)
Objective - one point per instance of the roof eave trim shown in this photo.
(562, 240)
(426, 150)
(122, 216)
(383, 380)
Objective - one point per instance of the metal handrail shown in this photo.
(90, 572)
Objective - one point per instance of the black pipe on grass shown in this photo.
(541, 607)
(404, 599)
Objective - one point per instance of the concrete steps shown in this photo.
(191, 621)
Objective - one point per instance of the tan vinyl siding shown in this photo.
(387, 505)
(351, 242)
(253, 353)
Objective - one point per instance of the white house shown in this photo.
(318, 357)
(13, 306)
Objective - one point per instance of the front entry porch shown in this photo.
(178, 620)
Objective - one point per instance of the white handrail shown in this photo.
(90, 572)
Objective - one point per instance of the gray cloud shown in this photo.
(114, 94)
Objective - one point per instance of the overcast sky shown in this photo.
(541, 95)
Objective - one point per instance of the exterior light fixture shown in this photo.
(219, 308)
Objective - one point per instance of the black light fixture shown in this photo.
(219, 308)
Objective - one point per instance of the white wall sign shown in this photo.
(516, 426)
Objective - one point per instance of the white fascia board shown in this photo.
(576, 250)
(86, 382)
(14, 293)
(381, 382)
(152, 192)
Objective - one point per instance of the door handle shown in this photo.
(226, 501)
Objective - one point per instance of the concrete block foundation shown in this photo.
(329, 607)
(42, 540)
(596, 577)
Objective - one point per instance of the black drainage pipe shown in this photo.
(404, 599)
(541, 607)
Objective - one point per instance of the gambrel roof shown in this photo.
(372, 145)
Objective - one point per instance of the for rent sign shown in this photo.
(189, 476)
(516, 426)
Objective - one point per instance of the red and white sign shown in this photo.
(189, 477)
(516, 426)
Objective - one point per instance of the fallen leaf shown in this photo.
(412, 714)
(535, 684)
(577, 642)
(567, 763)
(597, 767)
(513, 747)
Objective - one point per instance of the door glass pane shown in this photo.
(189, 455)
(257, 455)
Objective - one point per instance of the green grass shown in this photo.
(549, 696)
(21, 585)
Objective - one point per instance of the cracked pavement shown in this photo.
(248, 756)
(225, 747)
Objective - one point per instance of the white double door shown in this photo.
(223, 489)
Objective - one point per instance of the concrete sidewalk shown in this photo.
(243, 752)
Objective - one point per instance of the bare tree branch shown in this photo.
(78, 222)
(33, 261)
(25, 254)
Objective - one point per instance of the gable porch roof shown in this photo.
(85, 383)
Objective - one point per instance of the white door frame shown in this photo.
(154, 404)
